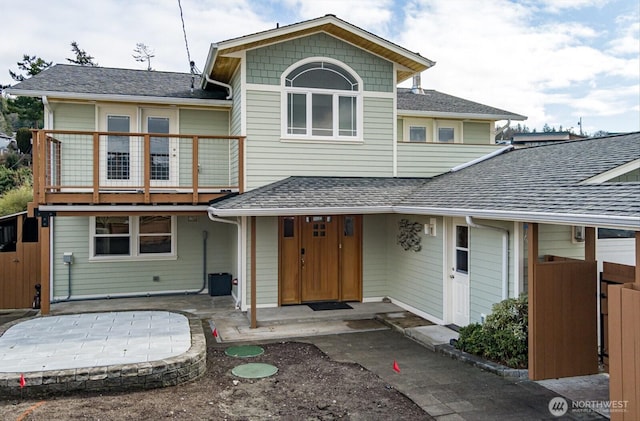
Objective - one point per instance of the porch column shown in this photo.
(637, 281)
(45, 274)
(532, 257)
(254, 321)
(589, 244)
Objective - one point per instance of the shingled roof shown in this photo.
(436, 102)
(538, 184)
(73, 80)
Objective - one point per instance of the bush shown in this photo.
(16, 200)
(503, 337)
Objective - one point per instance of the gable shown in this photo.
(265, 65)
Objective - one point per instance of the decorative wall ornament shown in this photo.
(409, 235)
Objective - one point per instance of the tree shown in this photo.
(143, 53)
(23, 139)
(29, 110)
(82, 57)
(32, 65)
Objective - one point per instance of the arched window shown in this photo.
(322, 101)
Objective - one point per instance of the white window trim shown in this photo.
(408, 122)
(444, 124)
(134, 235)
(336, 93)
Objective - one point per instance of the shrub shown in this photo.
(504, 335)
(16, 200)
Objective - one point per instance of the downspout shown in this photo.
(505, 253)
(224, 85)
(214, 218)
(205, 235)
(502, 129)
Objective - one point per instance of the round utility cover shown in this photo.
(244, 351)
(254, 370)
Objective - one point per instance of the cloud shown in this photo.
(502, 57)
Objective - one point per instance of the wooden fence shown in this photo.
(624, 349)
(19, 261)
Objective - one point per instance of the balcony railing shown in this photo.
(108, 167)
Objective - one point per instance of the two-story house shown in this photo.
(129, 161)
(295, 163)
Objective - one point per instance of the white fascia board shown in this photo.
(12, 215)
(613, 221)
(123, 98)
(302, 211)
(132, 208)
(464, 116)
(613, 173)
(289, 29)
(208, 64)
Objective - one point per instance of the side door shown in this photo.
(120, 154)
(459, 273)
(164, 150)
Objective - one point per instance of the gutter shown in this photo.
(224, 85)
(505, 252)
(122, 98)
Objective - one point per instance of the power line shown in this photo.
(184, 31)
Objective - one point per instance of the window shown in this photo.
(139, 237)
(8, 235)
(446, 134)
(417, 134)
(322, 101)
(118, 154)
(462, 249)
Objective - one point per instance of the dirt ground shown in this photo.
(307, 386)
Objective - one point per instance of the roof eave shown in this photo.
(208, 64)
(327, 19)
(121, 98)
(467, 116)
(596, 220)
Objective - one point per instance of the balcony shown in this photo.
(76, 167)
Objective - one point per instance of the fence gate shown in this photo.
(19, 260)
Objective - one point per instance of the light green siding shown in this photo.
(476, 133)
(213, 154)
(236, 110)
(269, 159)
(71, 234)
(431, 159)
(74, 117)
(266, 262)
(75, 149)
(555, 240)
(374, 257)
(630, 177)
(485, 267)
(265, 65)
(415, 278)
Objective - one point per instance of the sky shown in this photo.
(558, 62)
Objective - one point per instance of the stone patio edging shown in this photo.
(122, 377)
(474, 360)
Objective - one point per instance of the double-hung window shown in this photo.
(132, 237)
(322, 101)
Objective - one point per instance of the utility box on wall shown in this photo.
(219, 284)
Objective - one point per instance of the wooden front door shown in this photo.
(320, 258)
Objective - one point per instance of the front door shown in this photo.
(320, 258)
(459, 274)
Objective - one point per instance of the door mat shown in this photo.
(329, 305)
